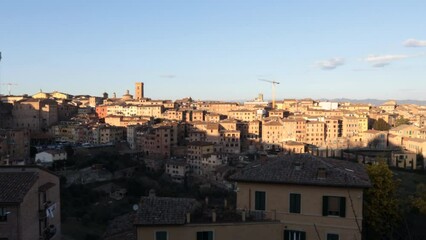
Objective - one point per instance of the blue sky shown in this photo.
(216, 49)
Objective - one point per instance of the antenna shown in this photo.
(9, 86)
(273, 90)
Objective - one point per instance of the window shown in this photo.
(161, 235)
(334, 206)
(294, 235)
(206, 235)
(3, 214)
(295, 202)
(260, 200)
(332, 236)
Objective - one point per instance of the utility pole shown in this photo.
(273, 90)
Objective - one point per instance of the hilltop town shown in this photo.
(146, 168)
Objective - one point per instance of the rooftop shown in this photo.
(15, 185)
(283, 170)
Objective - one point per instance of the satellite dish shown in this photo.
(135, 207)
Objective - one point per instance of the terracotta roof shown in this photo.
(121, 228)
(164, 210)
(15, 185)
(283, 170)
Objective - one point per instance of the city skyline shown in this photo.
(208, 49)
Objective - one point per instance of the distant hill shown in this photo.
(375, 101)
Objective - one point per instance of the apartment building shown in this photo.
(156, 141)
(315, 133)
(243, 114)
(106, 134)
(161, 218)
(14, 146)
(333, 129)
(272, 134)
(374, 139)
(314, 198)
(30, 206)
(195, 153)
(35, 114)
(174, 114)
(5, 115)
(231, 141)
(177, 169)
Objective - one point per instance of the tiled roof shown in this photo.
(15, 185)
(164, 210)
(121, 228)
(339, 173)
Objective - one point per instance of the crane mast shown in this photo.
(274, 83)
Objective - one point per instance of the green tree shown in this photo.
(401, 121)
(419, 201)
(381, 208)
(381, 125)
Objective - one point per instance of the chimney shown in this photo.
(151, 193)
(297, 165)
(207, 200)
(321, 173)
(243, 215)
(213, 216)
(188, 217)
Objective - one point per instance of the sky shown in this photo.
(216, 49)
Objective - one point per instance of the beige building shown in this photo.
(14, 146)
(35, 114)
(374, 139)
(315, 133)
(30, 205)
(272, 134)
(243, 114)
(177, 170)
(106, 134)
(196, 152)
(309, 195)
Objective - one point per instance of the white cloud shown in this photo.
(414, 43)
(167, 76)
(330, 64)
(383, 60)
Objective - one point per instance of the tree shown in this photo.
(381, 125)
(419, 201)
(381, 207)
(401, 121)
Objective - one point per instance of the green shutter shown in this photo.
(324, 205)
(286, 235)
(260, 200)
(298, 202)
(342, 207)
(295, 202)
(302, 236)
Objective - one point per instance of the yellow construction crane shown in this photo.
(273, 90)
(9, 86)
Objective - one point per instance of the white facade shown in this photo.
(47, 157)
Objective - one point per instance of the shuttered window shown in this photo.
(295, 202)
(294, 235)
(260, 200)
(333, 206)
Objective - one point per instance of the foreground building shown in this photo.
(29, 204)
(314, 198)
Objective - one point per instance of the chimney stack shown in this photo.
(188, 217)
(214, 216)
